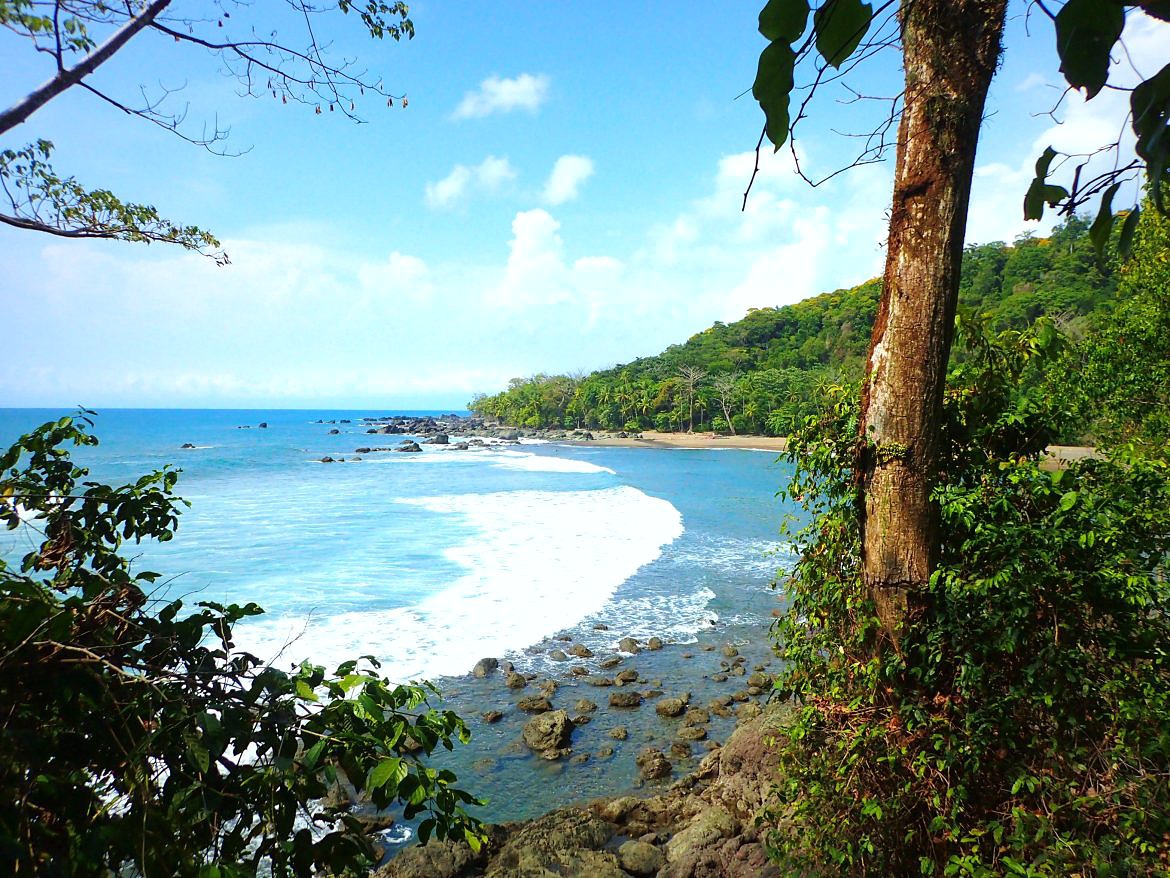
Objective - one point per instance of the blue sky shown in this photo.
(562, 193)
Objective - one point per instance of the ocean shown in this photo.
(432, 561)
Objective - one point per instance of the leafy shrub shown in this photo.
(1024, 728)
(137, 740)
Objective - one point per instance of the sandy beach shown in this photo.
(653, 439)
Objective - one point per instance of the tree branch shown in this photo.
(64, 79)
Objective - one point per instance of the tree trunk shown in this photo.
(950, 50)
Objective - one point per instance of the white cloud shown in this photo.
(400, 275)
(564, 183)
(499, 95)
(489, 176)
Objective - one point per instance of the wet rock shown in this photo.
(763, 681)
(640, 859)
(584, 705)
(579, 759)
(515, 681)
(438, 439)
(507, 667)
(484, 666)
(605, 751)
(654, 643)
(187, 445)
(747, 711)
(334, 432)
(263, 425)
(619, 733)
(327, 459)
(580, 650)
(558, 655)
(492, 716)
(578, 671)
(600, 626)
(548, 688)
(672, 706)
(625, 699)
(688, 655)
(365, 449)
(408, 446)
(612, 662)
(548, 734)
(737, 671)
(534, 704)
(629, 675)
(719, 678)
(598, 681)
(652, 763)
(754, 691)
(628, 644)
(697, 716)
(581, 719)
(680, 750)
(692, 733)
(730, 651)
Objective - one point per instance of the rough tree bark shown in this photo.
(950, 52)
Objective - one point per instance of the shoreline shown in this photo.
(654, 439)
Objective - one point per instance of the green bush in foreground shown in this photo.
(137, 740)
(1024, 726)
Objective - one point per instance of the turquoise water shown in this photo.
(431, 561)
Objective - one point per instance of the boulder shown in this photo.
(484, 666)
(654, 643)
(580, 650)
(697, 716)
(692, 733)
(187, 445)
(515, 681)
(263, 425)
(730, 651)
(671, 706)
(438, 439)
(334, 432)
(600, 626)
(625, 699)
(619, 733)
(535, 704)
(629, 675)
(640, 859)
(598, 681)
(548, 734)
(492, 716)
(628, 644)
(327, 459)
(584, 705)
(365, 449)
(408, 447)
(558, 655)
(652, 763)
(612, 662)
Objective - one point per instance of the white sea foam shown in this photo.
(761, 558)
(499, 458)
(537, 562)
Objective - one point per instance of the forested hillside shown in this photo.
(766, 372)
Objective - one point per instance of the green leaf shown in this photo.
(386, 770)
(1040, 192)
(1067, 502)
(305, 691)
(1103, 225)
(1150, 105)
(841, 25)
(1128, 227)
(784, 20)
(1086, 31)
(1159, 9)
(772, 89)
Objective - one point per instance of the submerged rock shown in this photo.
(625, 699)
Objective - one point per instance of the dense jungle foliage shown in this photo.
(766, 373)
(1023, 725)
